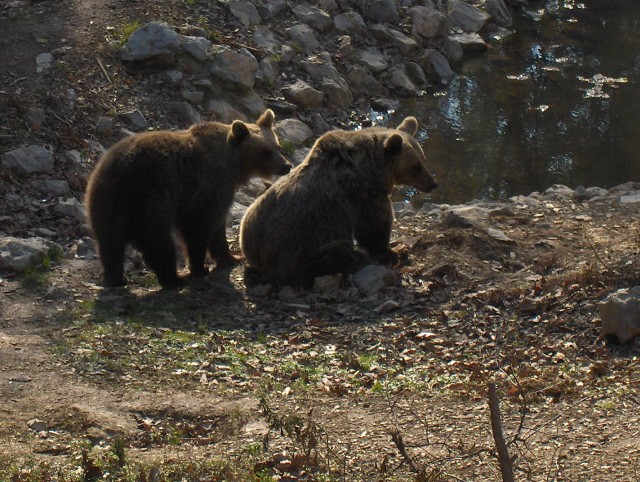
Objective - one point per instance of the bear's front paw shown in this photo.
(387, 258)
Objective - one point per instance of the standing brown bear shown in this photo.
(151, 184)
(304, 225)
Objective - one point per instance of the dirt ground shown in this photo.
(310, 384)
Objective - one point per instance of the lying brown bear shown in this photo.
(150, 184)
(304, 225)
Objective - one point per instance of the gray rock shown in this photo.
(427, 22)
(86, 248)
(204, 84)
(625, 187)
(436, 66)
(192, 96)
(246, 12)
(43, 62)
(28, 160)
(362, 81)
(300, 155)
(345, 48)
(154, 45)
(499, 235)
(383, 11)
(580, 194)
(620, 314)
(467, 17)
(18, 254)
(314, 17)
(465, 216)
(327, 283)
(293, 130)
(416, 74)
(373, 279)
(302, 94)
(52, 187)
(394, 37)
(266, 39)
(596, 192)
(287, 293)
(336, 93)
(185, 110)
(197, 47)
(136, 118)
(328, 5)
(45, 232)
(287, 54)
(235, 68)
(224, 112)
(499, 12)
(351, 23)
(630, 198)
(104, 127)
(401, 84)
(276, 7)
(269, 71)
(559, 190)
(468, 42)
(70, 208)
(252, 103)
(374, 60)
(173, 76)
(303, 36)
(74, 156)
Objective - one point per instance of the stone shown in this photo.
(173, 76)
(185, 110)
(29, 160)
(373, 278)
(17, 254)
(350, 22)
(620, 314)
(192, 96)
(104, 127)
(374, 60)
(630, 198)
(469, 42)
(314, 17)
(70, 208)
(245, 12)
(197, 47)
(596, 192)
(252, 103)
(136, 118)
(287, 293)
(336, 93)
(559, 190)
(436, 66)
(581, 194)
(499, 12)
(236, 69)
(269, 70)
(383, 11)
(327, 283)
(427, 22)
(499, 235)
(328, 5)
(74, 156)
(625, 187)
(300, 155)
(224, 112)
(453, 49)
(465, 216)
(293, 130)
(43, 62)
(302, 94)
(52, 187)
(276, 7)
(266, 39)
(303, 36)
(154, 45)
(416, 74)
(467, 17)
(394, 37)
(401, 84)
(361, 80)
(86, 248)
(345, 48)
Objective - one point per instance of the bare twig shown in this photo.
(586, 236)
(498, 436)
(399, 443)
(104, 71)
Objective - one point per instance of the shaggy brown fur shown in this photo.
(305, 224)
(150, 184)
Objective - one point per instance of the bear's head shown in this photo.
(259, 146)
(406, 158)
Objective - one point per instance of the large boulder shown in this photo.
(18, 254)
(303, 36)
(428, 22)
(383, 11)
(154, 45)
(467, 17)
(313, 17)
(499, 12)
(620, 314)
(293, 130)
(29, 160)
(302, 94)
(245, 12)
(234, 68)
(394, 37)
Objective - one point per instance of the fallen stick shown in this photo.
(104, 71)
(498, 436)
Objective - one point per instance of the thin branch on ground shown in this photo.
(399, 443)
(498, 436)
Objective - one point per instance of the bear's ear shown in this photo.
(239, 131)
(393, 145)
(266, 119)
(409, 125)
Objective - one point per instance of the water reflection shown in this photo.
(558, 103)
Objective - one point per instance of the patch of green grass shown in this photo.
(287, 147)
(127, 30)
(36, 276)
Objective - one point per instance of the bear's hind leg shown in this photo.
(112, 253)
(196, 237)
(335, 257)
(159, 252)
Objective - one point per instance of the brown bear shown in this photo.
(151, 184)
(304, 225)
